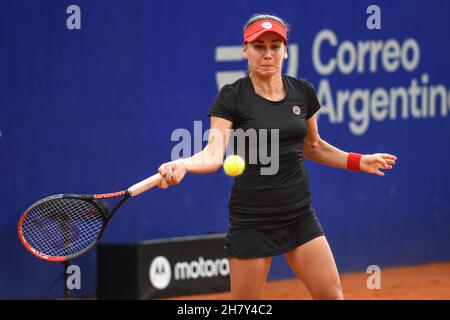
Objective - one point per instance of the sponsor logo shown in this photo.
(266, 25)
(201, 268)
(161, 273)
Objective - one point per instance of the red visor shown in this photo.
(257, 28)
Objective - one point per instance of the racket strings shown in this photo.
(62, 227)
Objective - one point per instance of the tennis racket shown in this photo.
(65, 226)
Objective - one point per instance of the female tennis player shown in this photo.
(273, 214)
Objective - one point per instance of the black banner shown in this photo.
(162, 268)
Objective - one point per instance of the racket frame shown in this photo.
(105, 214)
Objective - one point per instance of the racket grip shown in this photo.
(144, 185)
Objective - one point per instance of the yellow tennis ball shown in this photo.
(234, 165)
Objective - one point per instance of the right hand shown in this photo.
(172, 172)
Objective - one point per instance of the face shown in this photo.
(265, 55)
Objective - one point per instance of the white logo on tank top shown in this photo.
(296, 110)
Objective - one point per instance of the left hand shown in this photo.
(372, 163)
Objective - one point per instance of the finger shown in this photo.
(379, 173)
(163, 184)
(389, 156)
(176, 173)
(168, 174)
(382, 162)
(161, 170)
(391, 162)
(175, 176)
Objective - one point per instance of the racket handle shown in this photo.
(144, 185)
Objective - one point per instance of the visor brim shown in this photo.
(256, 35)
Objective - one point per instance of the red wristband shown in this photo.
(353, 161)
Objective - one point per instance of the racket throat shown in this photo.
(127, 196)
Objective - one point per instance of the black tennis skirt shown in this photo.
(264, 235)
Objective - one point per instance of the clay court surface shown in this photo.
(428, 281)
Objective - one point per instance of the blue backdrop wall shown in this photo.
(93, 109)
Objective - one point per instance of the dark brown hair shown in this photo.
(262, 16)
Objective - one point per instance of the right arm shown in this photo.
(209, 160)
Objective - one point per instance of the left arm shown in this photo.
(318, 150)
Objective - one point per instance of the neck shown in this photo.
(272, 85)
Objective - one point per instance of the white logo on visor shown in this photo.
(266, 25)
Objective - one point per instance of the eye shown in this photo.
(276, 47)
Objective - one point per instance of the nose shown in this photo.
(268, 54)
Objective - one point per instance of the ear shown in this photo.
(244, 51)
